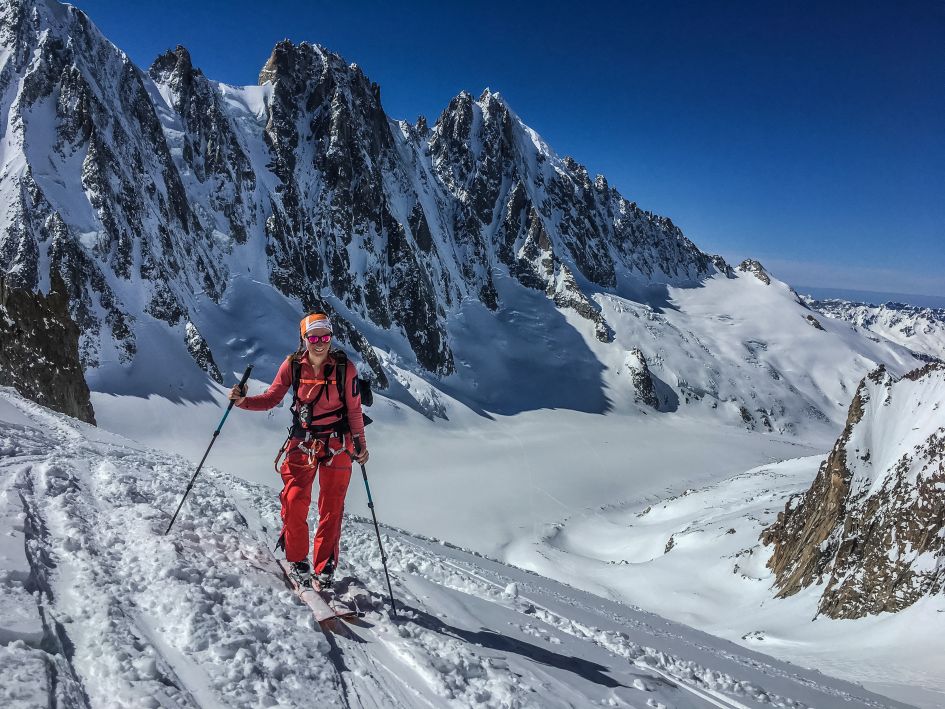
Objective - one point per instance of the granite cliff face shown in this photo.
(39, 350)
(871, 529)
(148, 191)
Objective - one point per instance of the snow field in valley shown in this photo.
(100, 609)
(696, 558)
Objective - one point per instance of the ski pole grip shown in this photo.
(357, 444)
(245, 379)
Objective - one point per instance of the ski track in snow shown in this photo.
(98, 608)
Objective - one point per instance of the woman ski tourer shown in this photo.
(327, 434)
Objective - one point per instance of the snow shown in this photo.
(201, 617)
(534, 452)
(896, 423)
(714, 577)
(253, 100)
(511, 454)
(920, 329)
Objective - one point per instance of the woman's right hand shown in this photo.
(236, 394)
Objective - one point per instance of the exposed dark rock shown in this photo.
(873, 536)
(566, 294)
(39, 350)
(200, 351)
(722, 265)
(182, 177)
(755, 267)
(640, 377)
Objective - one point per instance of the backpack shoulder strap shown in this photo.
(296, 375)
(341, 371)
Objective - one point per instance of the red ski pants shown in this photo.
(298, 475)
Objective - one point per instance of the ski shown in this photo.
(319, 605)
(342, 608)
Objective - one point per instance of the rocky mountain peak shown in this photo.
(755, 268)
(871, 528)
(175, 60)
(456, 119)
(281, 63)
(491, 102)
(175, 69)
(171, 64)
(165, 195)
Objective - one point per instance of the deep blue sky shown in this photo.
(808, 135)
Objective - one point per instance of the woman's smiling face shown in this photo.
(318, 342)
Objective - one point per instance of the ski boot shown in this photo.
(301, 572)
(322, 581)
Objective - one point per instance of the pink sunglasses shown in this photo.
(318, 338)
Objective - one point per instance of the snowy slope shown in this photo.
(99, 609)
(696, 558)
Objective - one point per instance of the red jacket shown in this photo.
(309, 386)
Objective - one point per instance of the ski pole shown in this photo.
(212, 441)
(370, 504)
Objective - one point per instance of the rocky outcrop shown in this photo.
(39, 350)
(871, 528)
(200, 351)
(644, 390)
(756, 269)
(566, 294)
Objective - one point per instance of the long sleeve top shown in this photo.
(310, 384)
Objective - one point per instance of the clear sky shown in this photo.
(810, 136)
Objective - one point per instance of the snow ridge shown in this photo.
(871, 525)
(920, 329)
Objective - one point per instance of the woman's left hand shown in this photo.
(360, 453)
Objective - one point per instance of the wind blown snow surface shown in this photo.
(98, 608)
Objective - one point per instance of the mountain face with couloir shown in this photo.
(188, 219)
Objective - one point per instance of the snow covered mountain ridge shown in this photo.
(143, 190)
(920, 329)
(192, 221)
(871, 528)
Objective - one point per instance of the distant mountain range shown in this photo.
(920, 329)
(871, 297)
